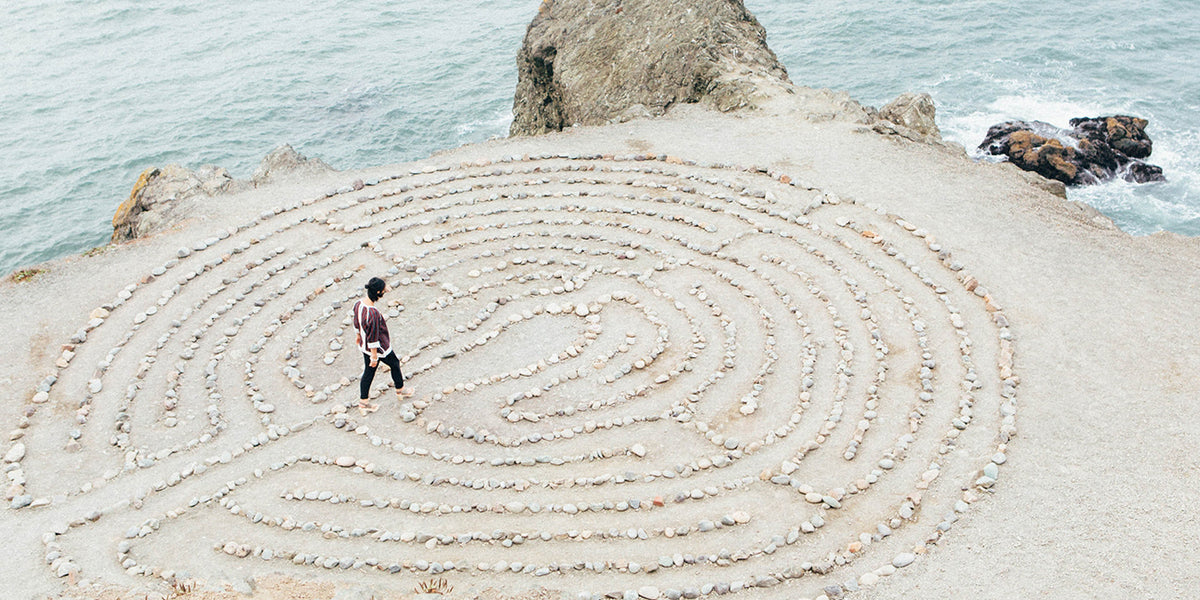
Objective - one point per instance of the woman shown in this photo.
(371, 336)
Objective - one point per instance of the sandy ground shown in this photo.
(1096, 496)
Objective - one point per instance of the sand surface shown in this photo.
(641, 369)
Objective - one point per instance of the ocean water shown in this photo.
(94, 92)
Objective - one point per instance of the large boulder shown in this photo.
(915, 112)
(595, 62)
(163, 197)
(285, 162)
(1095, 150)
(1125, 134)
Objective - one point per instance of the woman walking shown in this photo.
(371, 336)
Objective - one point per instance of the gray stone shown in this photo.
(725, 63)
(648, 592)
(15, 454)
(284, 162)
(914, 112)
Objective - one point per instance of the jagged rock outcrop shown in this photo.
(1095, 150)
(590, 63)
(915, 112)
(162, 197)
(285, 161)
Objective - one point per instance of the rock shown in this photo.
(66, 568)
(344, 461)
(648, 592)
(15, 453)
(285, 162)
(903, 559)
(1126, 135)
(1094, 151)
(913, 111)
(588, 63)
(162, 197)
(1052, 186)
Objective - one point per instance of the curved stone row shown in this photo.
(636, 376)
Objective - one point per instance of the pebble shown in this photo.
(15, 453)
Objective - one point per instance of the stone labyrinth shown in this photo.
(635, 375)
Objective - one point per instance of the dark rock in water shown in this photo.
(1126, 135)
(591, 63)
(1141, 172)
(1095, 150)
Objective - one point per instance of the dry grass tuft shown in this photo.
(434, 586)
(24, 275)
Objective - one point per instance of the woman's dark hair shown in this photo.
(375, 288)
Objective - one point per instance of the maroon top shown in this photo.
(372, 329)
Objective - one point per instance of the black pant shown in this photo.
(393, 363)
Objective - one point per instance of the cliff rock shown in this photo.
(162, 197)
(285, 161)
(914, 112)
(590, 63)
(1095, 150)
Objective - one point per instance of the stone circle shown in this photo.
(638, 377)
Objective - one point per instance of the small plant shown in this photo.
(434, 586)
(98, 250)
(181, 587)
(26, 274)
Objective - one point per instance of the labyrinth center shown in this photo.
(634, 375)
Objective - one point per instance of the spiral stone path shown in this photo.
(636, 376)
